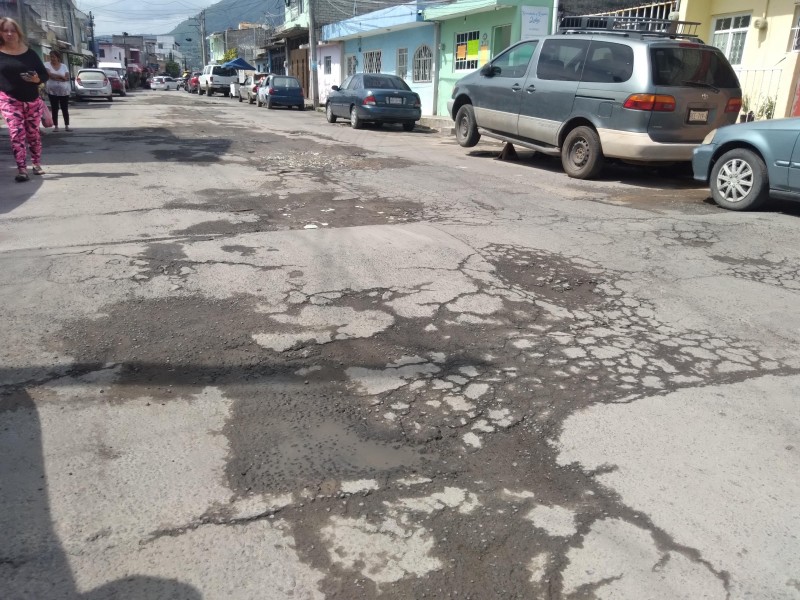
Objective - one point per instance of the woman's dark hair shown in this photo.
(55, 53)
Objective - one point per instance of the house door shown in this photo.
(299, 67)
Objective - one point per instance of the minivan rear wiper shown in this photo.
(702, 85)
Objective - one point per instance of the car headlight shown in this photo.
(710, 137)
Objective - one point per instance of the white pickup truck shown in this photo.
(216, 78)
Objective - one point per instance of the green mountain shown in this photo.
(224, 15)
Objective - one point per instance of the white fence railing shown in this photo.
(759, 90)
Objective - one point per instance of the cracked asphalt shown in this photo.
(250, 354)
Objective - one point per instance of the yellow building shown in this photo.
(760, 39)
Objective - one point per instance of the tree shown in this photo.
(172, 68)
(230, 54)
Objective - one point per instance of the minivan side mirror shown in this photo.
(335, 88)
(488, 70)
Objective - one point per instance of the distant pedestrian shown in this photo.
(21, 72)
(58, 88)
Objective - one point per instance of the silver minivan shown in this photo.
(588, 94)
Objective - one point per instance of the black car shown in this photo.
(374, 98)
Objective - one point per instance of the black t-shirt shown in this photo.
(12, 66)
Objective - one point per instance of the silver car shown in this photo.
(593, 92)
(93, 83)
(744, 164)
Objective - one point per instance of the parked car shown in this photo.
(747, 163)
(118, 85)
(587, 94)
(374, 98)
(163, 82)
(280, 90)
(193, 83)
(92, 83)
(249, 89)
(216, 78)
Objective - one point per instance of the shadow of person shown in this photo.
(33, 564)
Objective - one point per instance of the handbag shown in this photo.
(47, 117)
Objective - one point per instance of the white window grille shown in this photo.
(423, 61)
(372, 61)
(402, 62)
(326, 65)
(351, 63)
(467, 45)
(729, 36)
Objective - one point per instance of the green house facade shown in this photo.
(472, 32)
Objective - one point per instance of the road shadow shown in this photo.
(33, 563)
(13, 194)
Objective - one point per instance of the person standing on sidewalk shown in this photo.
(58, 88)
(21, 72)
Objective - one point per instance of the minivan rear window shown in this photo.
(682, 66)
(92, 75)
(223, 72)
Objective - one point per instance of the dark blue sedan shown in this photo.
(746, 163)
(373, 98)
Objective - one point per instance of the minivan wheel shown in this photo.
(739, 180)
(581, 154)
(329, 116)
(408, 126)
(466, 129)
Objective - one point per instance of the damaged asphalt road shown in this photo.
(250, 354)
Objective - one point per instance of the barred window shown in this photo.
(402, 62)
(372, 61)
(326, 65)
(351, 64)
(729, 36)
(423, 62)
(467, 47)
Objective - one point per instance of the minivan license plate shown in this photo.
(395, 100)
(698, 116)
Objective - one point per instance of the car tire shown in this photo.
(258, 102)
(409, 126)
(226, 94)
(329, 116)
(355, 120)
(209, 92)
(240, 97)
(110, 98)
(123, 94)
(250, 99)
(739, 180)
(467, 134)
(268, 104)
(301, 107)
(581, 153)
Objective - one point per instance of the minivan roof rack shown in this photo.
(629, 26)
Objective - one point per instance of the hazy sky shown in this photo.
(140, 16)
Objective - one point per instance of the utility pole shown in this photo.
(312, 44)
(203, 36)
(94, 43)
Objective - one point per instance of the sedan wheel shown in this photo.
(355, 121)
(408, 126)
(258, 102)
(739, 180)
(329, 116)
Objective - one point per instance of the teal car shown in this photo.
(745, 164)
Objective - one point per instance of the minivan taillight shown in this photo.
(105, 81)
(734, 105)
(270, 91)
(654, 102)
(369, 101)
(78, 80)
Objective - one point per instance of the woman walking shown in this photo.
(21, 72)
(57, 88)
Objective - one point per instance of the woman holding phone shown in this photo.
(21, 72)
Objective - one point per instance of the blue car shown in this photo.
(374, 98)
(280, 90)
(745, 164)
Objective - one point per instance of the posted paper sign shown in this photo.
(535, 21)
